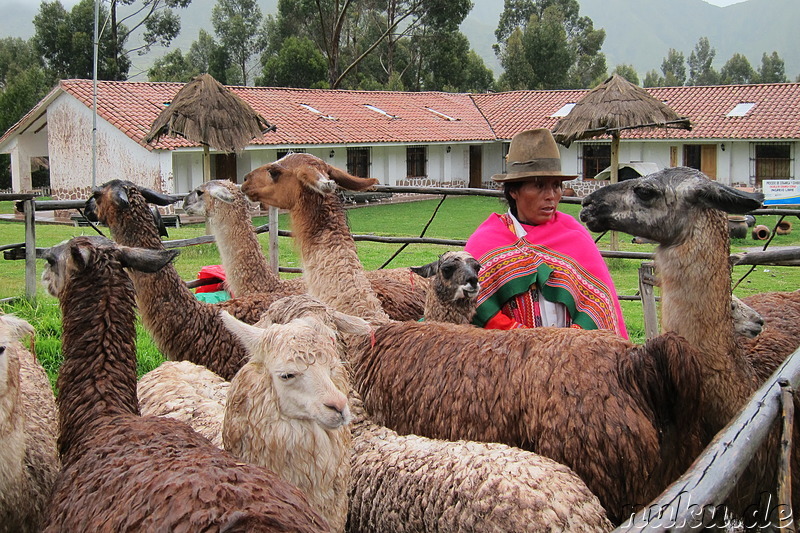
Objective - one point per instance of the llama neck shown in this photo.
(246, 268)
(98, 376)
(332, 270)
(454, 312)
(695, 279)
(135, 226)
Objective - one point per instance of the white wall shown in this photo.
(69, 125)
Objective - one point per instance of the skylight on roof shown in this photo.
(317, 112)
(564, 111)
(379, 110)
(440, 114)
(741, 109)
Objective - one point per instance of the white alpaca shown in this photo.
(28, 457)
(287, 409)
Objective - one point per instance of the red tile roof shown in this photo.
(308, 116)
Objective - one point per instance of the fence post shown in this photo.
(273, 238)
(646, 282)
(30, 248)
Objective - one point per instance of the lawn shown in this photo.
(455, 218)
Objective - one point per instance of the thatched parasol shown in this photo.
(206, 112)
(613, 106)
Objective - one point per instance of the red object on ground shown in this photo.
(211, 272)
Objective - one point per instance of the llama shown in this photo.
(182, 327)
(747, 322)
(684, 211)
(124, 472)
(454, 288)
(184, 391)
(287, 409)
(781, 335)
(28, 458)
(621, 416)
(415, 484)
(401, 292)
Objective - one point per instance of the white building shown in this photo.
(741, 135)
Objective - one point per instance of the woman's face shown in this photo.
(537, 200)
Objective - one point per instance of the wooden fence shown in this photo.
(689, 502)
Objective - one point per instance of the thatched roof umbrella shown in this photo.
(613, 106)
(207, 112)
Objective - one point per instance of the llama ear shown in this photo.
(159, 222)
(80, 255)
(316, 180)
(220, 192)
(121, 197)
(156, 197)
(728, 199)
(145, 259)
(18, 328)
(250, 336)
(351, 324)
(349, 182)
(427, 271)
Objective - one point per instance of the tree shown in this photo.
(349, 32)
(64, 41)
(653, 79)
(737, 71)
(674, 69)
(298, 64)
(173, 66)
(627, 72)
(700, 70)
(517, 72)
(447, 64)
(568, 57)
(156, 17)
(772, 69)
(206, 55)
(237, 23)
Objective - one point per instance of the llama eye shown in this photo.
(286, 376)
(448, 271)
(645, 194)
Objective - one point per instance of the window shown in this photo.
(596, 157)
(563, 111)
(740, 110)
(415, 161)
(770, 161)
(358, 162)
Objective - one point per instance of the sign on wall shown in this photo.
(781, 192)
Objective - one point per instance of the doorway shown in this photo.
(224, 166)
(475, 165)
(703, 157)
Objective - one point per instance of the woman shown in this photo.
(540, 267)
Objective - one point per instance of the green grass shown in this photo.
(456, 218)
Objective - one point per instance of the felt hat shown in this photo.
(533, 154)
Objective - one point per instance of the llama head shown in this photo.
(11, 329)
(302, 363)
(282, 183)
(455, 276)
(67, 258)
(212, 198)
(747, 322)
(288, 308)
(116, 198)
(664, 206)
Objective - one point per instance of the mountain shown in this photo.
(638, 32)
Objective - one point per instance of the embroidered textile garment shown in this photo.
(559, 258)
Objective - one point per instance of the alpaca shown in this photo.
(402, 293)
(684, 211)
(287, 409)
(747, 322)
(454, 288)
(182, 327)
(184, 391)
(415, 484)
(781, 334)
(28, 458)
(122, 471)
(621, 416)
